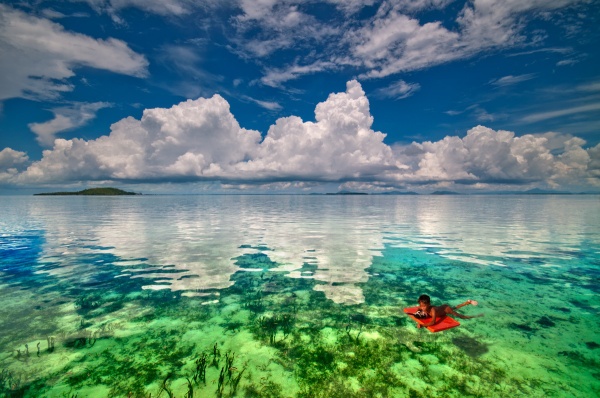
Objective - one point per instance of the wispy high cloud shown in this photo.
(276, 77)
(589, 87)
(39, 56)
(420, 5)
(478, 113)
(566, 62)
(392, 41)
(536, 117)
(265, 27)
(52, 14)
(510, 80)
(398, 90)
(270, 105)
(559, 50)
(160, 7)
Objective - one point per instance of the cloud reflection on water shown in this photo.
(191, 243)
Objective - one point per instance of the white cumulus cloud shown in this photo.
(194, 138)
(11, 162)
(490, 156)
(200, 140)
(9, 158)
(339, 144)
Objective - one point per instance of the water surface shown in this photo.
(297, 296)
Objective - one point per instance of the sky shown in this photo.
(288, 96)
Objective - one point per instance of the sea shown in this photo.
(298, 295)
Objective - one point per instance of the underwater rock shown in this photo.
(360, 318)
(521, 327)
(545, 322)
(582, 305)
(574, 355)
(472, 347)
(592, 345)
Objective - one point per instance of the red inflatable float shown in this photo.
(442, 323)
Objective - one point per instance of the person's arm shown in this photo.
(433, 318)
(463, 304)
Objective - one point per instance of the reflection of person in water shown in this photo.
(440, 311)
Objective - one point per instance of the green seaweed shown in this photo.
(216, 355)
(200, 371)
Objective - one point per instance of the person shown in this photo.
(440, 311)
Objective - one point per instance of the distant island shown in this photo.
(397, 193)
(365, 193)
(346, 193)
(91, 192)
(444, 193)
(537, 191)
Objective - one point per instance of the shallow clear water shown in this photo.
(297, 296)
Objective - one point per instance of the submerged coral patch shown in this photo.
(592, 345)
(522, 327)
(546, 322)
(471, 346)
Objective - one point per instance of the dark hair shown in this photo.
(425, 298)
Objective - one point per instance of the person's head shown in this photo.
(424, 301)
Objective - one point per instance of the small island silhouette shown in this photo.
(90, 192)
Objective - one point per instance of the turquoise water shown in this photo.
(298, 296)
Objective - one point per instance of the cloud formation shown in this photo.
(392, 41)
(536, 117)
(500, 157)
(66, 118)
(398, 90)
(160, 7)
(200, 140)
(10, 158)
(39, 56)
(510, 80)
(278, 25)
(11, 162)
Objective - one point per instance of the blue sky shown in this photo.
(299, 96)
